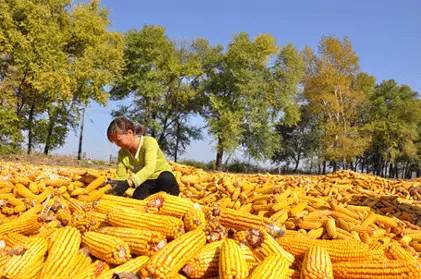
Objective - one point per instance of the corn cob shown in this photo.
(331, 228)
(125, 202)
(194, 218)
(24, 192)
(376, 270)
(96, 183)
(251, 260)
(27, 223)
(309, 225)
(170, 259)
(62, 254)
(396, 252)
(316, 264)
(238, 220)
(108, 248)
(169, 204)
(339, 250)
(30, 263)
(168, 225)
(81, 263)
(386, 221)
(264, 245)
(232, 263)
(131, 266)
(97, 194)
(15, 239)
(94, 270)
(316, 233)
(141, 242)
(205, 263)
(297, 209)
(272, 267)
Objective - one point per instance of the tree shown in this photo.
(334, 101)
(59, 58)
(156, 78)
(395, 118)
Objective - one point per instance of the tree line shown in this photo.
(309, 109)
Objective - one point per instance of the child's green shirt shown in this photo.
(148, 162)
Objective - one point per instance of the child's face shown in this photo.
(123, 140)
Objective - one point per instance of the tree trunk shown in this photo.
(219, 154)
(297, 161)
(335, 166)
(324, 167)
(30, 126)
(177, 140)
(79, 152)
(51, 122)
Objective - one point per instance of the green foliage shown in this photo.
(395, 118)
(334, 101)
(55, 58)
(246, 96)
(156, 77)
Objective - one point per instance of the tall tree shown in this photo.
(333, 100)
(157, 81)
(59, 57)
(395, 118)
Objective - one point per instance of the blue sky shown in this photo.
(385, 34)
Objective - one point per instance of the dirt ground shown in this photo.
(55, 160)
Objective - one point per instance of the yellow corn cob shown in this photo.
(43, 195)
(331, 228)
(79, 191)
(272, 267)
(309, 225)
(369, 220)
(26, 224)
(94, 270)
(296, 210)
(346, 211)
(386, 221)
(279, 217)
(169, 204)
(375, 270)
(194, 218)
(132, 266)
(316, 233)
(30, 263)
(96, 183)
(4, 258)
(139, 205)
(81, 263)
(168, 225)
(205, 263)
(170, 259)
(98, 217)
(108, 248)
(396, 252)
(264, 245)
(342, 216)
(316, 264)
(238, 220)
(339, 250)
(15, 239)
(62, 254)
(251, 260)
(141, 242)
(24, 192)
(232, 263)
(57, 182)
(97, 194)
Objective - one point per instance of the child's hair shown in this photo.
(121, 125)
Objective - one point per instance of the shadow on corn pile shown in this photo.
(405, 210)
